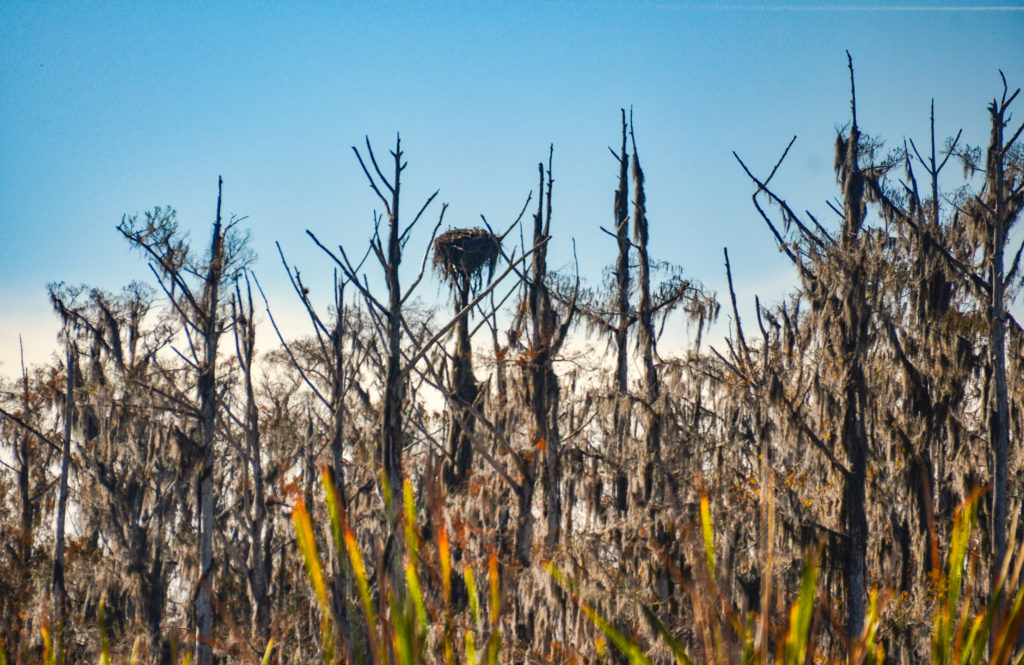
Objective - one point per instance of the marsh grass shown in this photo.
(418, 621)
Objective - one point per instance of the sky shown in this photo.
(113, 108)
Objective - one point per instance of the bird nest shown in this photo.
(466, 252)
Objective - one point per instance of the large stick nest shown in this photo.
(466, 252)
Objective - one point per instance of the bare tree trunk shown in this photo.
(645, 333)
(208, 423)
(59, 590)
(1002, 205)
(622, 269)
(256, 513)
(546, 338)
(394, 385)
(465, 389)
(852, 347)
(343, 605)
(621, 332)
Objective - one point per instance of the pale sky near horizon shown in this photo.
(110, 108)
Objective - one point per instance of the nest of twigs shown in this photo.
(466, 252)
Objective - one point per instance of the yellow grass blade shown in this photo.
(307, 547)
(134, 658)
(104, 643)
(471, 657)
(269, 651)
(359, 571)
(708, 532)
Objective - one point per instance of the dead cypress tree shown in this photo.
(548, 332)
(645, 320)
(199, 305)
(461, 257)
(837, 274)
(59, 598)
(854, 318)
(999, 208)
(258, 564)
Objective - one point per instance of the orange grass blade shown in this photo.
(495, 607)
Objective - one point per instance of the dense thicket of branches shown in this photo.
(861, 412)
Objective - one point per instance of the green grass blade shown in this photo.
(417, 595)
(335, 511)
(630, 649)
(801, 614)
(474, 599)
(871, 626)
(413, 547)
(1007, 636)
(662, 629)
(362, 583)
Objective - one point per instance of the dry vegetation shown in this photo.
(789, 496)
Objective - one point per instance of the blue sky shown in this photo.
(111, 108)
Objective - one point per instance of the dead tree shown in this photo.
(60, 593)
(194, 289)
(338, 357)
(837, 275)
(258, 563)
(461, 256)
(130, 482)
(548, 332)
(999, 207)
(654, 303)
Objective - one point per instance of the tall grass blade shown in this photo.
(946, 646)
(268, 652)
(666, 634)
(630, 649)
(307, 546)
(363, 584)
(802, 613)
(474, 598)
(444, 553)
(708, 532)
(413, 549)
(101, 617)
(48, 656)
(310, 557)
(495, 609)
(134, 658)
(471, 657)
